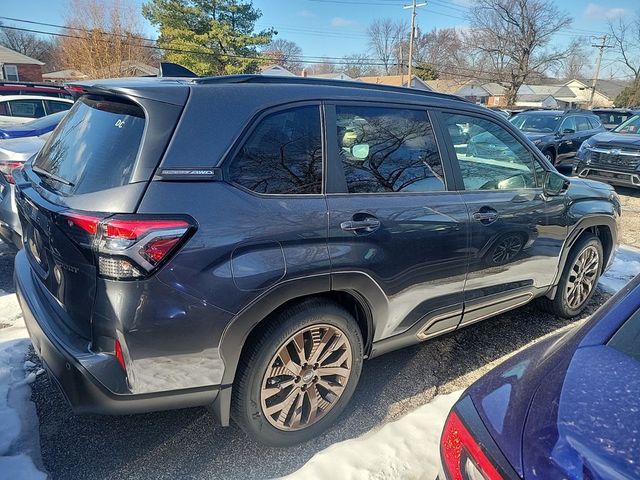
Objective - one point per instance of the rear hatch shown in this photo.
(96, 164)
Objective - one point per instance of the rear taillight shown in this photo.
(462, 456)
(129, 247)
(117, 350)
(7, 167)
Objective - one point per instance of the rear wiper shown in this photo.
(52, 176)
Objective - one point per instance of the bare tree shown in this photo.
(325, 66)
(576, 61)
(106, 39)
(515, 35)
(26, 43)
(442, 51)
(385, 36)
(625, 35)
(357, 65)
(286, 53)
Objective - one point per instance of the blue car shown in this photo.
(34, 128)
(568, 407)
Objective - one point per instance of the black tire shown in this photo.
(560, 305)
(247, 410)
(550, 155)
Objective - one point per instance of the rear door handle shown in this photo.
(366, 225)
(486, 216)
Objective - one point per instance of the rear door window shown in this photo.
(54, 106)
(583, 124)
(94, 148)
(27, 108)
(387, 150)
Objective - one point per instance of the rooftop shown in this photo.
(12, 57)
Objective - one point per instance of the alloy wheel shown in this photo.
(306, 377)
(582, 277)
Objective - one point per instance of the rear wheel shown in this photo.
(298, 377)
(551, 156)
(579, 278)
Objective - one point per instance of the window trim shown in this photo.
(6, 74)
(251, 126)
(338, 185)
(536, 155)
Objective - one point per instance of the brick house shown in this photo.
(19, 68)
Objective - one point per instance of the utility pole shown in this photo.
(414, 6)
(600, 46)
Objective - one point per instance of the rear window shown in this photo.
(94, 148)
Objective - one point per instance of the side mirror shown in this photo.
(555, 184)
(360, 151)
(568, 131)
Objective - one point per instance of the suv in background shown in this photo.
(612, 157)
(17, 109)
(246, 242)
(612, 117)
(29, 88)
(558, 134)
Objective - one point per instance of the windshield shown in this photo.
(630, 126)
(536, 123)
(94, 148)
(44, 122)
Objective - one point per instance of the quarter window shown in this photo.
(489, 156)
(388, 150)
(54, 107)
(283, 154)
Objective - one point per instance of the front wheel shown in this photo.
(579, 278)
(550, 156)
(298, 377)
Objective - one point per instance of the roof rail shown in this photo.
(274, 79)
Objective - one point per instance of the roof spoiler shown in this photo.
(168, 69)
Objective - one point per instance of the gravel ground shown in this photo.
(187, 443)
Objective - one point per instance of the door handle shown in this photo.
(486, 217)
(366, 225)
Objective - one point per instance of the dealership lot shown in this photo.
(187, 443)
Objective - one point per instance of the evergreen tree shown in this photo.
(210, 37)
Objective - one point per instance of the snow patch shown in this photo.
(19, 438)
(407, 448)
(626, 265)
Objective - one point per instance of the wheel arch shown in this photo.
(247, 325)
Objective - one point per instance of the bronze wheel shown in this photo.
(583, 277)
(306, 377)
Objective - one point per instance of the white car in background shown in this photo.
(16, 109)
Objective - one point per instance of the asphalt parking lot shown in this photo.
(188, 444)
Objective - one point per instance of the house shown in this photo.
(397, 80)
(277, 70)
(17, 67)
(132, 68)
(532, 100)
(490, 94)
(605, 93)
(331, 76)
(450, 86)
(62, 76)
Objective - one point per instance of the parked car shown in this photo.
(612, 157)
(563, 408)
(31, 88)
(251, 260)
(612, 117)
(556, 133)
(15, 109)
(34, 128)
(13, 154)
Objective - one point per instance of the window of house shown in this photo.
(388, 150)
(283, 154)
(11, 73)
(490, 157)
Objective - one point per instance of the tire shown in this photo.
(550, 155)
(564, 304)
(263, 413)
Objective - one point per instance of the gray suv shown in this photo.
(245, 242)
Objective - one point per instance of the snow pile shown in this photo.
(19, 441)
(625, 266)
(407, 448)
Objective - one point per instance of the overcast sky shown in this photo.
(335, 28)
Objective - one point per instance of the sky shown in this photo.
(335, 28)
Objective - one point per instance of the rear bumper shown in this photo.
(71, 367)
